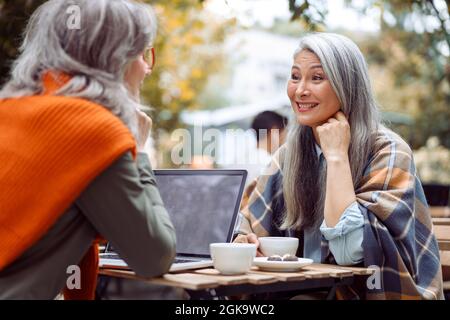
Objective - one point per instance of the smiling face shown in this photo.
(312, 96)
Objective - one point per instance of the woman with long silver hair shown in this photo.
(344, 184)
(71, 151)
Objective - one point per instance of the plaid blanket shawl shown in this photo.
(398, 236)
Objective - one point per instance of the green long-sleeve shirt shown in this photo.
(123, 204)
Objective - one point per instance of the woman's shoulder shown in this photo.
(387, 141)
(75, 111)
(64, 117)
(278, 157)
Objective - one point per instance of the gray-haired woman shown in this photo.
(70, 149)
(343, 183)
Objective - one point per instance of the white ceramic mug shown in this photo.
(232, 258)
(270, 246)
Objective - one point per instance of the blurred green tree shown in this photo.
(413, 49)
(188, 52)
(415, 45)
(13, 17)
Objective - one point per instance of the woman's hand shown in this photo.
(334, 137)
(249, 238)
(144, 127)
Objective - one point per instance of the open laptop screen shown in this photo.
(203, 205)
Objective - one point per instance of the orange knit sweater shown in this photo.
(51, 148)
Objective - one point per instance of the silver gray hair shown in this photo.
(303, 180)
(96, 55)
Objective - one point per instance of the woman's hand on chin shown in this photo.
(334, 136)
(144, 127)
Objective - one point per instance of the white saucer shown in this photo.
(281, 266)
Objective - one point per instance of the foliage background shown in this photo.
(409, 58)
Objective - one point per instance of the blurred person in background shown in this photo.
(270, 130)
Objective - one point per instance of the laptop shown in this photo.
(203, 206)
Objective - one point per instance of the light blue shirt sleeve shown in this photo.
(345, 239)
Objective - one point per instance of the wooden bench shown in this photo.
(441, 221)
(441, 228)
(442, 233)
(440, 212)
(445, 263)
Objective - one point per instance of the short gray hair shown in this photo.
(112, 33)
(303, 179)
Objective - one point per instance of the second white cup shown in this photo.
(270, 246)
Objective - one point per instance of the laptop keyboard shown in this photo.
(116, 256)
(110, 256)
(179, 260)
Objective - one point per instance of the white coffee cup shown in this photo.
(270, 246)
(232, 258)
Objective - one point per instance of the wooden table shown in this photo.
(210, 284)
